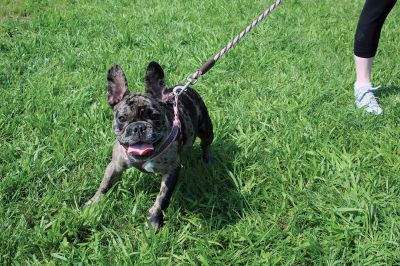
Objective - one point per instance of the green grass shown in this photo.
(301, 177)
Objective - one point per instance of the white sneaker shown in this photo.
(365, 98)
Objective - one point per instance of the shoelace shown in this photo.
(359, 99)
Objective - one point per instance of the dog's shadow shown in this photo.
(207, 190)
(386, 91)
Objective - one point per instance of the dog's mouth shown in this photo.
(140, 149)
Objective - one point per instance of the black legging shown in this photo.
(369, 26)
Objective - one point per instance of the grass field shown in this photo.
(300, 176)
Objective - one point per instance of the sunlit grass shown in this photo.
(300, 177)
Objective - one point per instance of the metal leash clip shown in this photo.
(179, 89)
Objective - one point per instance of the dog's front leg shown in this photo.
(112, 174)
(168, 183)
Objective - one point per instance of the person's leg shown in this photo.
(366, 41)
(363, 90)
(363, 70)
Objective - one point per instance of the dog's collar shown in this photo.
(176, 125)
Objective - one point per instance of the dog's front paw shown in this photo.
(84, 205)
(88, 202)
(156, 221)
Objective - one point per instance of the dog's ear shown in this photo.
(154, 80)
(117, 85)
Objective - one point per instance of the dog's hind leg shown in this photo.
(206, 136)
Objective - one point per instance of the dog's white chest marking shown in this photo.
(166, 162)
(149, 167)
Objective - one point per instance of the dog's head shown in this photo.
(140, 119)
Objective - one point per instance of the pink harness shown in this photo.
(176, 125)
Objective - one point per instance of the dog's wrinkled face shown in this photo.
(140, 119)
(140, 124)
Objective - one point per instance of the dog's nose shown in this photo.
(139, 128)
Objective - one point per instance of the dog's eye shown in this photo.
(121, 119)
(150, 114)
(155, 116)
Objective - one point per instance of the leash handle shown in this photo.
(211, 62)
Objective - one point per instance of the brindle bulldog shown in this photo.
(142, 125)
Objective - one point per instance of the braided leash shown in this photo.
(211, 62)
(177, 90)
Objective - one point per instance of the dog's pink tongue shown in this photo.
(140, 149)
